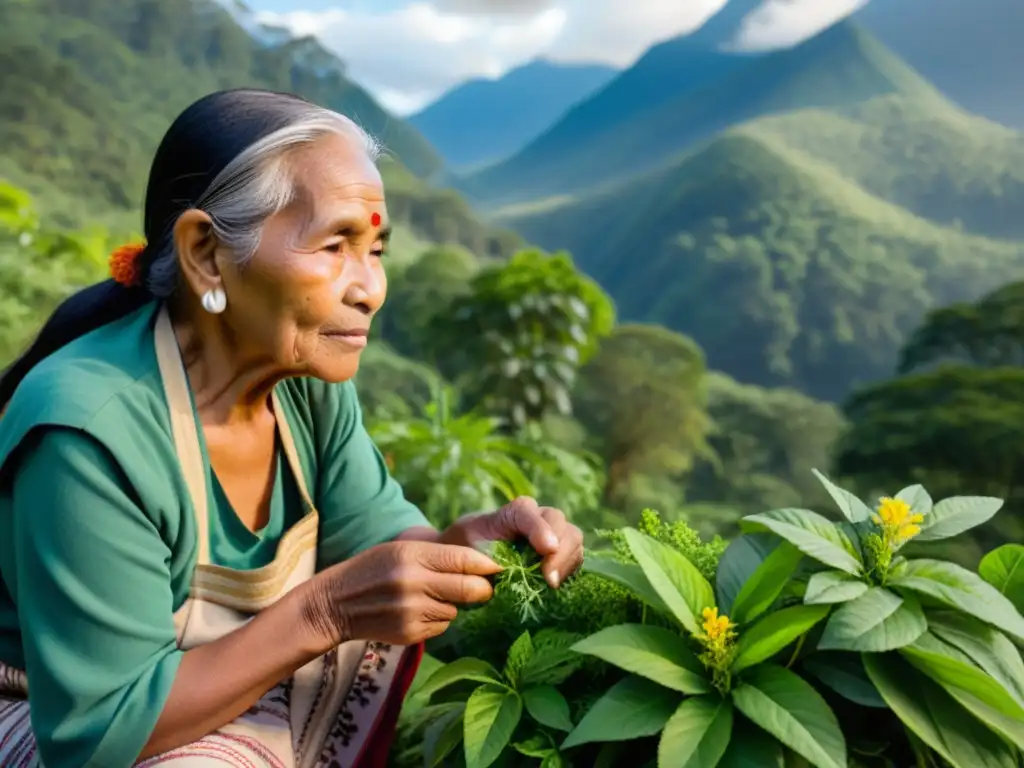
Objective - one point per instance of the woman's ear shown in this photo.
(196, 246)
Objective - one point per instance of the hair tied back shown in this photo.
(124, 264)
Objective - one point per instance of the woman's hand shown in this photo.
(556, 540)
(401, 592)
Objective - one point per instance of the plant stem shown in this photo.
(796, 651)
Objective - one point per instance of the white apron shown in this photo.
(323, 715)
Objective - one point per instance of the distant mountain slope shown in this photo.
(784, 272)
(88, 86)
(839, 67)
(482, 121)
(970, 49)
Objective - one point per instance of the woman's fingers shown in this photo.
(523, 517)
(568, 557)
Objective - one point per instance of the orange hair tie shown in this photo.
(124, 264)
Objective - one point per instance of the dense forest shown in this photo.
(679, 346)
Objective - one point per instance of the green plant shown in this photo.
(688, 686)
(486, 714)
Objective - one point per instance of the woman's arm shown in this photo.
(92, 582)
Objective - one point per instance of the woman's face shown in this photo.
(308, 295)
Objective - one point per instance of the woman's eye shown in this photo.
(379, 251)
(334, 247)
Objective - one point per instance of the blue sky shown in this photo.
(408, 52)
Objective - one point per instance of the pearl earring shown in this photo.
(215, 301)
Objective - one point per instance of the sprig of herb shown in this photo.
(520, 578)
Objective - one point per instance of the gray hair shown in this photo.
(253, 187)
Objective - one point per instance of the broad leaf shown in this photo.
(548, 707)
(812, 534)
(676, 580)
(853, 509)
(538, 746)
(518, 658)
(491, 717)
(829, 587)
(972, 687)
(751, 747)
(766, 583)
(1003, 568)
(631, 709)
(877, 621)
(652, 652)
(786, 706)
(741, 558)
(957, 514)
(985, 646)
(917, 498)
(774, 632)
(443, 734)
(934, 716)
(844, 673)
(697, 735)
(959, 588)
(553, 659)
(458, 670)
(630, 576)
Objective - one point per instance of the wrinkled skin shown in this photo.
(301, 306)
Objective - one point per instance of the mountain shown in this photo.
(87, 88)
(783, 269)
(482, 121)
(839, 67)
(970, 49)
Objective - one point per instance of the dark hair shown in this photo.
(218, 156)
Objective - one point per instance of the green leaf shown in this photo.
(959, 588)
(649, 651)
(676, 580)
(548, 707)
(631, 709)
(630, 576)
(972, 687)
(878, 620)
(917, 498)
(934, 716)
(794, 713)
(491, 717)
(751, 747)
(538, 746)
(741, 559)
(553, 760)
(957, 514)
(844, 673)
(697, 735)
(553, 659)
(812, 534)
(1003, 568)
(774, 632)
(458, 670)
(853, 509)
(766, 583)
(443, 734)
(519, 656)
(987, 647)
(830, 587)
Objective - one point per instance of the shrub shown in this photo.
(813, 642)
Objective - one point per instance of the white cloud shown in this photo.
(409, 55)
(781, 23)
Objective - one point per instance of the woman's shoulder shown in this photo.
(104, 381)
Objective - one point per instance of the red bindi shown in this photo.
(375, 219)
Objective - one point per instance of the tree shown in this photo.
(765, 442)
(514, 342)
(642, 397)
(425, 288)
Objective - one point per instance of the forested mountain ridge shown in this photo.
(482, 121)
(88, 86)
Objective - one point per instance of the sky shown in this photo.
(408, 52)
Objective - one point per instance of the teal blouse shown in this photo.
(98, 538)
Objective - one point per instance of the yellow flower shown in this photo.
(716, 626)
(895, 520)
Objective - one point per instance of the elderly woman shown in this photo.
(204, 560)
